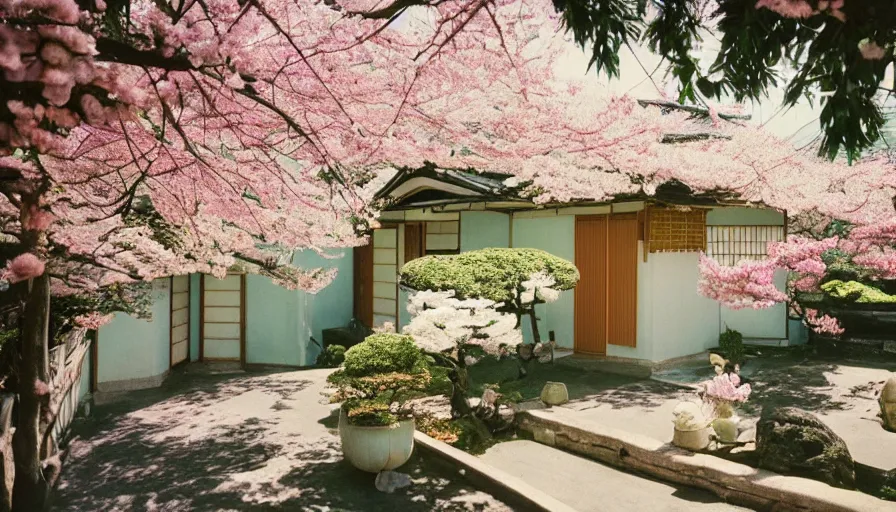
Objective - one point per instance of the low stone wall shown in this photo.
(736, 483)
(505, 487)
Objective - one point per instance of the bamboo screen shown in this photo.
(731, 244)
(676, 231)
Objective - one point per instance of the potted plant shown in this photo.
(692, 429)
(377, 377)
(721, 394)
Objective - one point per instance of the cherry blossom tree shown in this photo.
(142, 139)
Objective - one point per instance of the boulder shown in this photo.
(795, 442)
(888, 404)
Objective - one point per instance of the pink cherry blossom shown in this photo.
(823, 324)
(726, 388)
(23, 267)
(93, 320)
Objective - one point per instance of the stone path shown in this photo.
(243, 442)
(591, 486)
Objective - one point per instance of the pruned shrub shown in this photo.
(495, 274)
(731, 343)
(384, 353)
(854, 291)
(330, 357)
(384, 370)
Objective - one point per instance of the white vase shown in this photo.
(694, 440)
(725, 425)
(376, 449)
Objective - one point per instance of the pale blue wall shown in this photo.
(280, 322)
(332, 306)
(194, 316)
(131, 348)
(404, 318)
(273, 315)
(555, 235)
(480, 230)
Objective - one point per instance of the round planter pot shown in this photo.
(554, 393)
(376, 449)
(694, 440)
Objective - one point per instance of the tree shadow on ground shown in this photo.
(149, 452)
(580, 383)
(645, 394)
(801, 384)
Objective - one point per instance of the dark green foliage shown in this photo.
(383, 353)
(888, 493)
(8, 335)
(823, 50)
(494, 274)
(378, 376)
(331, 357)
(731, 343)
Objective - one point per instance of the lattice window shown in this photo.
(731, 244)
(673, 230)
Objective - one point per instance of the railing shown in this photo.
(66, 361)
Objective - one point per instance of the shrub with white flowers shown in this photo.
(472, 303)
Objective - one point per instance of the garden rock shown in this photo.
(792, 441)
(389, 481)
(888, 404)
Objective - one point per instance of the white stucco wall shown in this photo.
(673, 319)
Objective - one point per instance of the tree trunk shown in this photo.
(31, 488)
(536, 336)
(460, 405)
(7, 461)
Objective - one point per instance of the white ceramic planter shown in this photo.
(376, 449)
(694, 440)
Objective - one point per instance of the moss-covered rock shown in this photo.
(854, 291)
(795, 442)
(493, 274)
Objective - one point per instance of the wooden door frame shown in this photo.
(242, 318)
(171, 321)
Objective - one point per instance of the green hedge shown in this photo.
(492, 274)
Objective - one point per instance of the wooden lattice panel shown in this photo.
(731, 244)
(673, 230)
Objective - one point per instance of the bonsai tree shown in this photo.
(514, 280)
(472, 304)
(377, 377)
